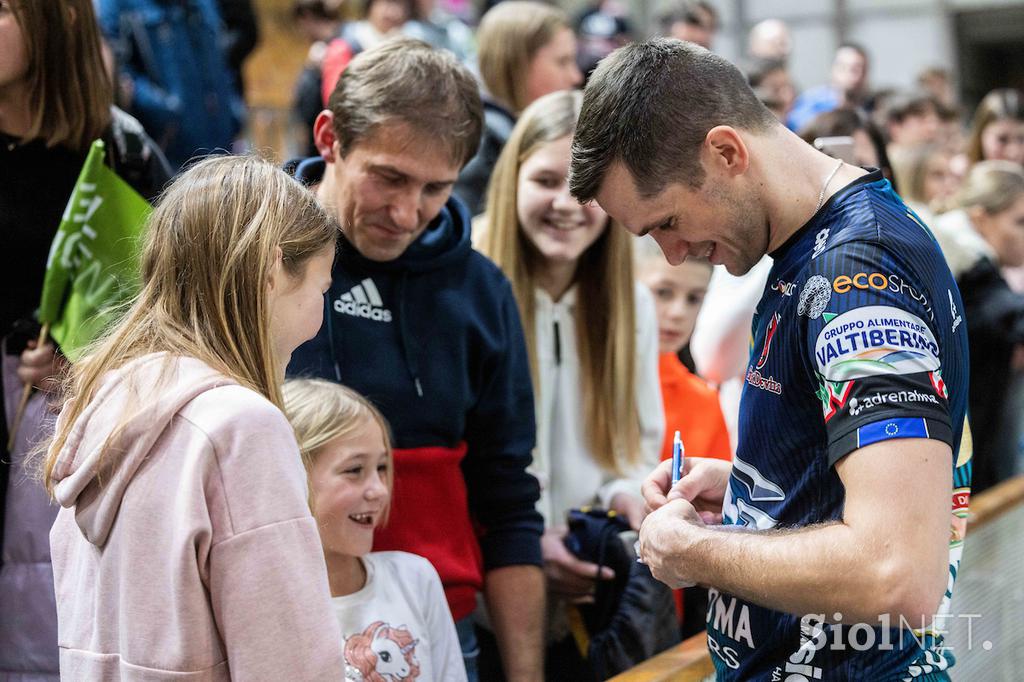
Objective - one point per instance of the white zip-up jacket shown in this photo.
(562, 462)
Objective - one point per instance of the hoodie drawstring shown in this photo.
(404, 336)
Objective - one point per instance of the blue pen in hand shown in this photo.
(678, 458)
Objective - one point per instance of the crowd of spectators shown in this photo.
(539, 358)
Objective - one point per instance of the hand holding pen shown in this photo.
(678, 458)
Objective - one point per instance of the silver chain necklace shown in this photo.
(824, 188)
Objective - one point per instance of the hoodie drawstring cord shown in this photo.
(404, 336)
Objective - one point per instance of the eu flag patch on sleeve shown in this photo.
(886, 429)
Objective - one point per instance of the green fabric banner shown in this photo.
(93, 264)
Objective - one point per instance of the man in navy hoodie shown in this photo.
(428, 330)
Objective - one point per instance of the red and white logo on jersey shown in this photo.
(773, 326)
(938, 384)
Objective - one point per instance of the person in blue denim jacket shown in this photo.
(173, 74)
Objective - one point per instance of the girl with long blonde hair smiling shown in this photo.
(390, 605)
(185, 545)
(590, 330)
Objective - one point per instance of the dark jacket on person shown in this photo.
(433, 339)
(37, 183)
(182, 90)
(995, 327)
(471, 186)
(241, 35)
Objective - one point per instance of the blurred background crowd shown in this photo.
(928, 91)
(924, 90)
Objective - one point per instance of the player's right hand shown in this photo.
(703, 484)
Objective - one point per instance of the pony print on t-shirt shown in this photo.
(382, 653)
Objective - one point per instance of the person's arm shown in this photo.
(888, 554)
(268, 585)
(500, 435)
(515, 603)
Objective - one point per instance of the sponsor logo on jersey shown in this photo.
(757, 380)
(820, 240)
(875, 340)
(363, 300)
(961, 501)
(953, 311)
(958, 527)
(938, 384)
(878, 281)
(784, 288)
(814, 297)
(858, 405)
(833, 396)
(769, 334)
(748, 491)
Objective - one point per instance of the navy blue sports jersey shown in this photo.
(858, 338)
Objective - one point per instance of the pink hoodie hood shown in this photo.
(95, 492)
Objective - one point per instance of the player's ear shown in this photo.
(725, 150)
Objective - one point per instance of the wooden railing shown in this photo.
(690, 661)
(685, 662)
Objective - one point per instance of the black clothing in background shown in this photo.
(241, 34)
(994, 315)
(471, 186)
(35, 184)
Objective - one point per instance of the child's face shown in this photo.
(349, 479)
(678, 295)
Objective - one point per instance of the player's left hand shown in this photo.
(665, 538)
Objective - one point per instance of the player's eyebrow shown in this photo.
(657, 223)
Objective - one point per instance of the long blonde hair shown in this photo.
(321, 411)
(509, 37)
(605, 316)
(210, 247)
(993, 186)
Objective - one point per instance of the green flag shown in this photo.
(94, 259)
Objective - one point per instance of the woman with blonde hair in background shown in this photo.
(591, 334)
(526, 50)
(983, 234)
(185, 544)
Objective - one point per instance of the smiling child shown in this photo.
(393, 614)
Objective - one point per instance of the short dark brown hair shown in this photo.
(407, 81)
(651, 105)
(905, 105)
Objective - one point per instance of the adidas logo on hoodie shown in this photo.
(363, 300)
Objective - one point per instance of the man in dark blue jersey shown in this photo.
(834, 538)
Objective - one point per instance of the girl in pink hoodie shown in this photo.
(185, 548)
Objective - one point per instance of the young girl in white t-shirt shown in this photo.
(392, 609)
